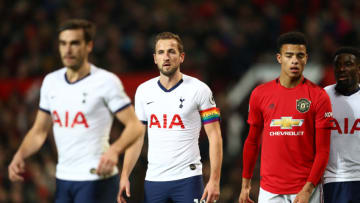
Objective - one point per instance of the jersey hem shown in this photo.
(172, 179)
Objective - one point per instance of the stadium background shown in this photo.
(223, 40)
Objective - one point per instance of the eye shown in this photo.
(301, 56)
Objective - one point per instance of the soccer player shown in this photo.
(291, 118)
(342, 175)
(80, 101)
(174, 106)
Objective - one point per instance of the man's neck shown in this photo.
(290, 82)
(170, 81)
(74, 75)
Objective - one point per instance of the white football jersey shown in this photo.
(174, 118)
(344, 160)
(82, 114)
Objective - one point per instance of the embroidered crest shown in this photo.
(303, 105)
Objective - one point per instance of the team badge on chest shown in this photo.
(303, 105)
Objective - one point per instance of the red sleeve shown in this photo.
(322, 155)
(255, 116)
(251, 150)
(323, 111)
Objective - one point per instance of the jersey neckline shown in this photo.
(171, 89)
(71, 83)
(277, 81)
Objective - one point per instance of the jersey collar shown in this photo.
(171, 89)
(71, 83)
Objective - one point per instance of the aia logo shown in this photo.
(175, 121)
(70, 122)
(346, 126)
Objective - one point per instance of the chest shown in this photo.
(291, 105)
(169, 107)
(75, 98)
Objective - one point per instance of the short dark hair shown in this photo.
(73, 24)
(348, 50)
(291, 38)
(170, 35)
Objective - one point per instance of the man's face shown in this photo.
(292, 58)
(167, 56)
(346, 71)
(73, 48)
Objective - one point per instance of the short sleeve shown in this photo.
(323, 111)
(44, 104)
(139, 106)
(255, 116)
(207, 106)
(115, 96)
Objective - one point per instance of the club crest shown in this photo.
(303, 105)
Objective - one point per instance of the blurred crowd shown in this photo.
(222, 39)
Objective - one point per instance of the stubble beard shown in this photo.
(168, 73)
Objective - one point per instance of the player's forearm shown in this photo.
(246, 183)
(251, 150)
(216, 155)
(321, 156)
(132, 131)
(131, 156)
(31, 143)
(308, 187)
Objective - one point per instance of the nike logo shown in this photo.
(149, 102)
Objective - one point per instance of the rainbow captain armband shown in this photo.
(210, 115)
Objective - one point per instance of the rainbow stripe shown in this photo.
(210, 115)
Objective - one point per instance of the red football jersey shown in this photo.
(289, 117)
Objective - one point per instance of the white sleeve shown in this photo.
(44, 104)
(207, 107)
(139, 106)
(115, 95)
(205, 98)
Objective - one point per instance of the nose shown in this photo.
(167, 57)
(294, 60)
(340, 67)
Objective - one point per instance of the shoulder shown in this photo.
(149, 84)
(102, 73)
(315, 89)
(195, 83)
(55, 75)
(265, 87)
(330, 88)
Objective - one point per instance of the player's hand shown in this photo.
(124, 187)
(244, 196)
(211, 192)
(16, 168)
(107, 162)
(302, 197)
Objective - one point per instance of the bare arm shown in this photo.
(133, 130)
(212, 189)
(131, 156)
(32, 142)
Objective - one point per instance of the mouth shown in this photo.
(166, 65)
(294, 69)
(342, 77)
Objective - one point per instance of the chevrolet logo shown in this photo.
(286, 122)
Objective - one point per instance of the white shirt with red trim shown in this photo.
(82, 114)
(174, 118)
(344, 159)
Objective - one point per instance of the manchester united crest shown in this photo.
(303, 105)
